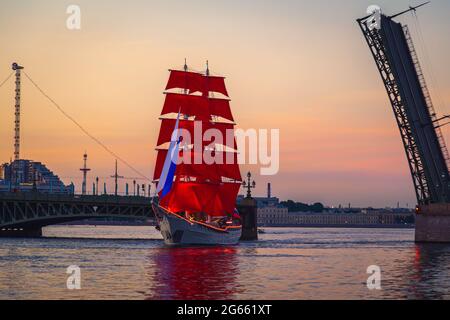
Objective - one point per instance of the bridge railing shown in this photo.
(75, 197)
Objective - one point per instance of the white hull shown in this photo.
(178, 231)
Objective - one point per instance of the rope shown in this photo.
(1, 85)
(211, 72)
(101, 144)
(428, 63)
(138, 179)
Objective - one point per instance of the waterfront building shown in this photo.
(28, 176)
(270, 212)
(278, 216)
(262, 201)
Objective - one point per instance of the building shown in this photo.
(27, 176)
(280, 217)
(270, 213)
(262, 201)
(269, 209)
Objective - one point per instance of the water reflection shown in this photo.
(193, 273)
(431, 273)
(284, 264)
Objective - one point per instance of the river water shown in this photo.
(286, 263)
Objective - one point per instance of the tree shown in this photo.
(302, 207)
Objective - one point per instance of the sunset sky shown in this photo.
(299, 66)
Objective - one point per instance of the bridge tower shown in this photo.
(393, 50)
(85, 170)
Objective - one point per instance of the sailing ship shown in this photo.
(196, 203)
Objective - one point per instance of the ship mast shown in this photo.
(185, 90)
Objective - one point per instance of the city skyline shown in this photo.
(339, 141)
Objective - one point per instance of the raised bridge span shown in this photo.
(25, 214)
(394, 53)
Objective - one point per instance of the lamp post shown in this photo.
(248, 212)
(249, 185)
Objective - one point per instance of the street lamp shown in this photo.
(249, 185)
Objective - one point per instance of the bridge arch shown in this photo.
(24, 215)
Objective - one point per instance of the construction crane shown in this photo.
(17, 70)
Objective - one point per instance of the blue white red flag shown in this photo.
(170, 164)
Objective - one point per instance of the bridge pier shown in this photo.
(433, 223)
(21, 232)
(247, 209)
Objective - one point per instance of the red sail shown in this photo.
(187, 104)
(222, 199)
(166, 131)
(182, 198)
(203, 171)
(216, 84)
(230, 170)
(214, 200)
(167, 125)
(198, 106)
(191, 81)
(200, 186)
(196, 82)
(228, 193)
(221, 108)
